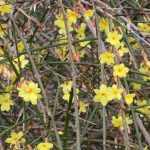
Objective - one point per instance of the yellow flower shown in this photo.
(9, 88)
(121, 49)
(107, 58)
(60, 23)
(3, 28)
(29, 91)
(129, 98)
(20, 46)
(5, 8)
(104, 25)
(144, 69)
(82, 107)
(66, 96)
(103, 95)
(143, 109)
(44, 146)
(133, 43)
(128, 120)
(88, 13)
(72, 16)
(85, 43)
(131, 39)
(80, 31)
(61, 51)
(23, 62)
(14, 138)
(5, 102)
(136, 86)
(113, 38)
(82, 53)
(135, 46)
(144, 27)
(118, 121)
(120, 70)
(67, 85)
(116, 92)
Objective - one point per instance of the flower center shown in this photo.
(119, 70)
(113, 38)
(44, 145)
(29, 90)
(103, 94)
(15, 139)
(5, 101)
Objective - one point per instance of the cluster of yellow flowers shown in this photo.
(81, 29)
(29, 91)
(66, 87)
(16, 140)
(72, 17)
(118, 70)
(105, 94)
(113, 37)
